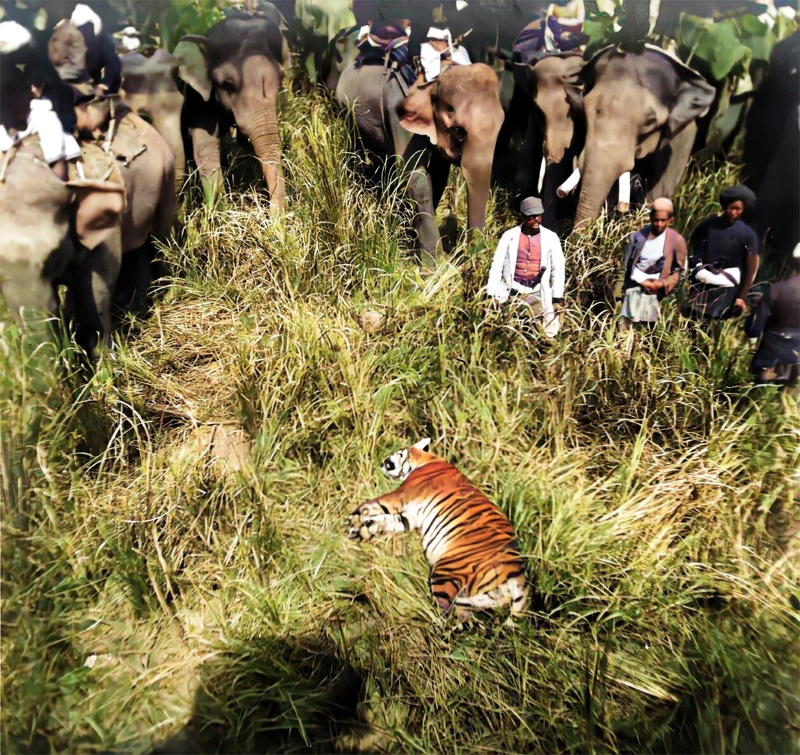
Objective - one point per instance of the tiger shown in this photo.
(469, 543)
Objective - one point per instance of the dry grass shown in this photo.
(650, 485)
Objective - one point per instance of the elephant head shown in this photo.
(150, 89)
(544, 82)
(637, 106)
(238, 65)
(461, 114)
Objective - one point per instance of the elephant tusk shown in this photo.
(569, 184)
(624, 201)
(542, 169)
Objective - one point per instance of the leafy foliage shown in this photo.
(726, 47)
(166, 22)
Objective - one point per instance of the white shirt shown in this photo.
(652, 252)
(43, 121)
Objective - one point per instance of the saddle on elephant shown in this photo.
(387, 46)
(111, 124)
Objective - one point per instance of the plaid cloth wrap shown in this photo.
(392, 41)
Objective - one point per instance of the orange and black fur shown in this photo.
(468, 541)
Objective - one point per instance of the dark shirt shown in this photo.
(102, 62)
(776, 318)
(722, 245)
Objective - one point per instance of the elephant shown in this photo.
(552, 139)
(233, 76)
(459, 113)
(147, 170)
(772, 147)
(640, 110)
(150, 89)
(58, 233)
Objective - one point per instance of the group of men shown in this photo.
(719, 264)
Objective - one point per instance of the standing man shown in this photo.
(655, 259)
(529, 266)
(726, 252)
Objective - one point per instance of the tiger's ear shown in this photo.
(423, 445)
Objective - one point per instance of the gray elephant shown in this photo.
(453, 120)
(59, 233)
(640, 110)
(234, 75)
(150, 89)
(552, 138)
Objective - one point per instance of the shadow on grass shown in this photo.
(273, 695)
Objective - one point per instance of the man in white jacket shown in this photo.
(529, 265)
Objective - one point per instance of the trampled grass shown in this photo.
(216, 595)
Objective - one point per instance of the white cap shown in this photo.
(13, 36)
(83, 14)
(796, 252)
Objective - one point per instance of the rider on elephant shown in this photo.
(725, 257)
(90, 54)
(27, 84)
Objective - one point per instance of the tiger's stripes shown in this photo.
(468, 541)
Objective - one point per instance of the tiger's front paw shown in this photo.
(365, 521)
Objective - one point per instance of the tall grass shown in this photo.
(221, 607)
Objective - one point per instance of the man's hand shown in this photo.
(652, 286)
(740, 305)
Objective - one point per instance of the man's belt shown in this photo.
(532, 282)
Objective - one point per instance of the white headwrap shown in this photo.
(83, 14)
(13, 36)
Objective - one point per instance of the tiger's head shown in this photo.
(402, 463)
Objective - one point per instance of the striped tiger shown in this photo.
(469, 543)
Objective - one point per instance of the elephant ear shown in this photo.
(99, 205)
(416, 114)
(693, 100)
(524, 80)
(192, 54)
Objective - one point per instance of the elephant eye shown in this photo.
(228, 86)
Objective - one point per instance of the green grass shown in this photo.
(649, 482)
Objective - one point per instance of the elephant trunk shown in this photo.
(600, 168)
(264, 137)
(477, 174)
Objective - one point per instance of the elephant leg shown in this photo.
(526, 176)
(29, 296)
(420, 189)
(439, 171)
(202, 123)
(90, 283)
(135, 278)
(681, 150)
(207, 157)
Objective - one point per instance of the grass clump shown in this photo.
(178, 522)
